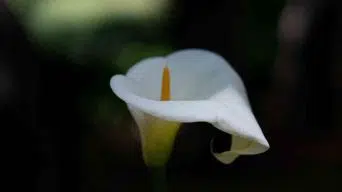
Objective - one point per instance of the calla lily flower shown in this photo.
(187, 86)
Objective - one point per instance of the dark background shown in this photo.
(66, 130)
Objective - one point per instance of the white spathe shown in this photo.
(204, 88)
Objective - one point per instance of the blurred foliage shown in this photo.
(73, 27)
(262, 33)
(103, 36)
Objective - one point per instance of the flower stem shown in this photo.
(159, 180)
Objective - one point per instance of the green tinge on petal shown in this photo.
(157, 137)
(238, 144)
(226, 157)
